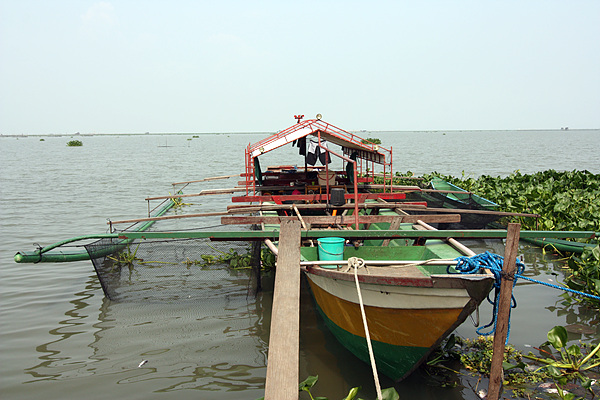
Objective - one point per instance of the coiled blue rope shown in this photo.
(493, 262)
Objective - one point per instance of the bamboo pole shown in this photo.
(506, 287)
(212, 178)
(202, 193)
(457, 245)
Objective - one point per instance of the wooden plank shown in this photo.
(420, 206)
(466, 211)
(339, 219)
(394, 225)
(282, 366)
(506, 287)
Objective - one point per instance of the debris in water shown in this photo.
(579, 328)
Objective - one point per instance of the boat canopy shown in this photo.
(355, 149)
(326, 132)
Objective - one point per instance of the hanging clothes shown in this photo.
(324, 156)
(314, 152)
(350, 167)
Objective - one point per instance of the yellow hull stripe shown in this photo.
(399, 327)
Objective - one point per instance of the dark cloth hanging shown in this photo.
(302, 146)
(257, 171)
(350, 167)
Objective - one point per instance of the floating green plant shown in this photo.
(74, 143)
(570, 363)
(307, 384)
(236, 260)
(566, 201)
(585, 273)
(371, 141)
(126, 258)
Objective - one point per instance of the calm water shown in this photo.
(60, 335)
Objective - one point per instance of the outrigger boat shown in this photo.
(413, 298)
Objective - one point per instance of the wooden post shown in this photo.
(284, 354)
(255, 260)
(508, 273)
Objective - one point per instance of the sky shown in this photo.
(249, 66)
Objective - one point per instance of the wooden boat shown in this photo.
(410, 307)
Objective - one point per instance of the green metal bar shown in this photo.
(44, 256)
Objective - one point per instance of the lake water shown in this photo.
(60, 337)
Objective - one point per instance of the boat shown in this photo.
(413, 297)
(411, 301)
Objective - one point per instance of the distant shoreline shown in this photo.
(361, 132)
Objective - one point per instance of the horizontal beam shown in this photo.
(421, 205)
(317, 197)
(340, 220)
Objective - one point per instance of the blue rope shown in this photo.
(493, 262)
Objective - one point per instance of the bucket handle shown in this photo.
(331, 254)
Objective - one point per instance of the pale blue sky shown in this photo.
(244, 66)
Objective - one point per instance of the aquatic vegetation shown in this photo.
(571, 363)
(585, 273)
(239, 261)
(573, 366)
(566, 201)
(74, 143)
(371, 141)
(307, 384)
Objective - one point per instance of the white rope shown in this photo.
(357, 263)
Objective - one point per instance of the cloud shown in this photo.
(99, 13)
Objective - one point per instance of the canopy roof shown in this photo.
(332, 134)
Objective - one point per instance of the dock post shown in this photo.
(284, 353)
(255, 261)
(506, 287)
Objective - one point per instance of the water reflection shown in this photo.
(51, 358)
(217, 345)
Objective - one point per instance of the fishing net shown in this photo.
(171, 270)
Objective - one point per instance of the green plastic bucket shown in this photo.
(331, 249)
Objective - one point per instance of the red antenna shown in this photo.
(299, 117)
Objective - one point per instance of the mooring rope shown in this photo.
(356, 263)
(493, 262)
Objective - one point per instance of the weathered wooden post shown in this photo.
(284, 341)
(506, 287)
(255, 261)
